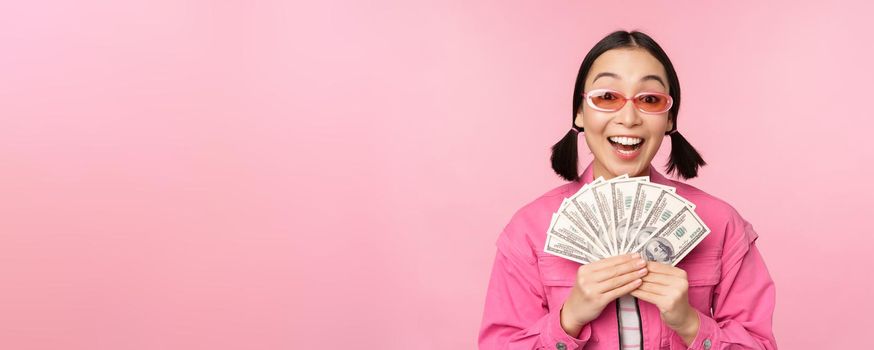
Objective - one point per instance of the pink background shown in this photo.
(266, 175)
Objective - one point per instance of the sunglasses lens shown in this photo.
(653, 103)
(607, 100)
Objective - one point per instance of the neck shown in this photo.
(598, 170)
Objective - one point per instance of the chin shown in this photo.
(618, 166)
(631, 169)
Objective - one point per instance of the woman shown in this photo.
(720, 296)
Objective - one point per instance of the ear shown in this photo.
(578, 121)
(670, 124)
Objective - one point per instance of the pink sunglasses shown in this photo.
(608, 100)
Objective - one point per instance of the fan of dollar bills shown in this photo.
(625, 215)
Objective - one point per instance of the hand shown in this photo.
(667, 288)
(597, 285)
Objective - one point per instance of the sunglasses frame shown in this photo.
(588, 97)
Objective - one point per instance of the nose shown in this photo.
(628, 116)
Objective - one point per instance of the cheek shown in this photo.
(591, 139)
(594, 129)
(658, 128)
(593, 135)
(595, 120)
(655, 141)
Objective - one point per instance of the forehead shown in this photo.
(630, 64)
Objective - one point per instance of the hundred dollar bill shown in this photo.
(585, 222)
(604, 204)
(558, 247)
(645, 196)
(585, 203)
(562, 227)
(623, 197)
(673, 241)
(666, 206)
(570, 214)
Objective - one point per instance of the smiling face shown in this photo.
(624, 141)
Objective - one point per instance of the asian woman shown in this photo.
(720, 296)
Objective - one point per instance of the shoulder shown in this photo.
(525, 234)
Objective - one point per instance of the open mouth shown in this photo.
(627, 147)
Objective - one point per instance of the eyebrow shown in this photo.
(614, 75)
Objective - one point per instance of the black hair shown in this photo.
(684, 159)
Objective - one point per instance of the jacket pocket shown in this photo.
(558, 276)
(703, 273)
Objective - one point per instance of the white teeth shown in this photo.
(628, 141)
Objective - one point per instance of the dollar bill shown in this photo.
(584, 202)
(562, 227)
(645, 196)
(673, 241)
(665, 206)
(580, 228)
(604, 207)
(558, 247)
(623, 197)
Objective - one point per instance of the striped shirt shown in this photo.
(629, 323)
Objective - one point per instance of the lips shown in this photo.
(626, 147)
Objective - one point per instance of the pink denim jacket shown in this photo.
(729, 285)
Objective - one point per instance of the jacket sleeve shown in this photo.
(516, 315)
(743, 301)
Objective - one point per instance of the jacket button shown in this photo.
(560, 346)
(707, 344)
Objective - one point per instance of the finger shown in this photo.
(646, 296)
(619, 281)
(625, 289)
(612, 261)
(618, 270)
(660, 278)
(653, 288)
(658, 267)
